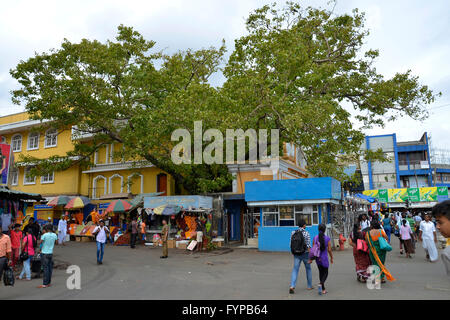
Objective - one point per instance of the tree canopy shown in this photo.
(294, 71)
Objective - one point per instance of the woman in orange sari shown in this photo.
(378, 256)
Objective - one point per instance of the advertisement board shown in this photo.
(5, 158)
(398, 195)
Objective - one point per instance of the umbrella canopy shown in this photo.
(167, 210)
(77, 203)
(118, 206)
(59, 201)
(362, 196)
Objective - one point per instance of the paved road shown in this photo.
(240, 274)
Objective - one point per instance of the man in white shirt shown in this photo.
(100, 233)
(428, 237)
(365, 223)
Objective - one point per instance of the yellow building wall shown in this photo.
(243, 177)
(17, 117)
(64, 183)
(149, 183)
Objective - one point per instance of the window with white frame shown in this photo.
(27, 179)
(270, 216)
(286, 216)
(16, 143)
(33, 141)
(48, 178)
(14, 177)
(289, 216)
(51, 138)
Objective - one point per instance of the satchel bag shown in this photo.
(361, 245)
(384, 245)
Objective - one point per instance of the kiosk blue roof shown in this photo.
(293, 189)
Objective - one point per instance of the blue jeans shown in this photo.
(47, 263)
(100, 251)
(26, 269)
(297, 261)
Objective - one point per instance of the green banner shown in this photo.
(383, 195)
(414, 194)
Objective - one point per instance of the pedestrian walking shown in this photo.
(376, 253)
(100, 233)
(164, 238)
(16, 238)
(365, 223)
(428, 238)
(441, 212)
(143, 234)
(62, 230)
(27, 247)
(361, 255)
(398, 226)
(5, 253)
(407, 235)
(134, 233)
(48, 241)
(300, 245)
(323, 241)
(199, 230)
(417, 220)
(387, 226)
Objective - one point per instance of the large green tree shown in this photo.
(293, 71)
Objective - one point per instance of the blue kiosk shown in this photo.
(283, 202)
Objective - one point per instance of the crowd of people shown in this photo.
(370, 240)
(33, 244)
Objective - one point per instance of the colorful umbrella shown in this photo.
(77, 203)
(118, 206)
(167, 210)
(59, 201)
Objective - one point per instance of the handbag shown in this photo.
(8, 276)
(384, 245)
(315, 251)
(24, 254)
(361, 245)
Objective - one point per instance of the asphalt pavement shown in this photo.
(226, 274)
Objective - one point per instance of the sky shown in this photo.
(410, 34)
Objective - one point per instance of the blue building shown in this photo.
(282, 203)
(410, 165)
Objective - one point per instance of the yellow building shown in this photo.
(108, 177)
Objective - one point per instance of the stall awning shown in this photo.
(367, 198)
(5, 192)
(186, 202)
(138, 200)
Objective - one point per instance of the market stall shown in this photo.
(14, 205)
(181, 213)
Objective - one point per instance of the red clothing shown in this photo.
(15, 239)
(28, 241)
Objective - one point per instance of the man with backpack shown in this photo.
(300, 246)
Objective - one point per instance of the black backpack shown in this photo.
(298, 243)
(8, 276)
